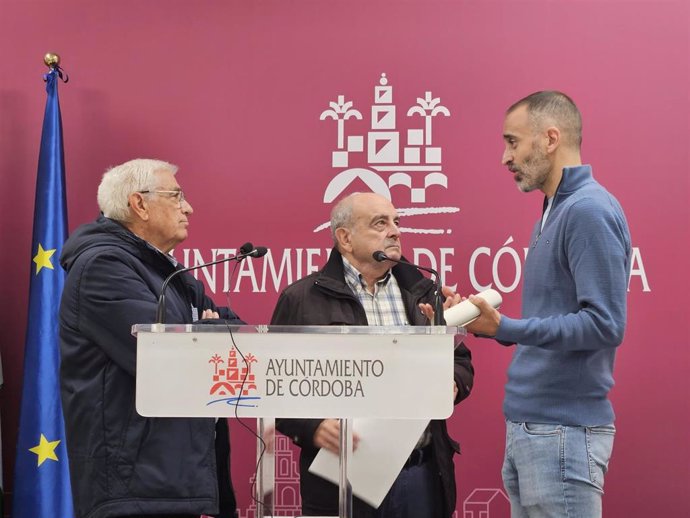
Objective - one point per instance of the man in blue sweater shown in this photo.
(559, 420)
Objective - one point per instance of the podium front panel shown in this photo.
(290, 371)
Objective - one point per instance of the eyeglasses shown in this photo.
(173, 194)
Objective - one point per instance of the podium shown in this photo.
(339, 372)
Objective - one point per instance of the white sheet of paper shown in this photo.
(384, 446)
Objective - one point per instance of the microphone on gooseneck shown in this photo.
(256, 252)
(438, 296)
(249, 250)
(246, 250)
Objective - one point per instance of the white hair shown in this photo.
(122, 180)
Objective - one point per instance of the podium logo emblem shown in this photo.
(232, 382)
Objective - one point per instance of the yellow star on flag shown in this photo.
(45, 450)
(42, 258)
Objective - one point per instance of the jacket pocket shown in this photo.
(130, 445)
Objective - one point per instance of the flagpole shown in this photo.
(41, 477)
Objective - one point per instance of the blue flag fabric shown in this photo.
(41, 478)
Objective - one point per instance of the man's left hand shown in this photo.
(209, 313)
(452, 299)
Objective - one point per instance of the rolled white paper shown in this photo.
(465, 312)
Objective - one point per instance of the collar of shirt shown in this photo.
(356, 282)
(385, 306)
(548, 203)
(167, 256)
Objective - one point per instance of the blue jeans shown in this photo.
(552, 471)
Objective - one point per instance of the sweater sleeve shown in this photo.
(597, 248)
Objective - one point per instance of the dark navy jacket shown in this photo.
(120, 462)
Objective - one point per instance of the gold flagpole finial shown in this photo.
(51, 60)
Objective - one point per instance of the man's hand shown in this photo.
(269, 438)
(209, 313)
(327, 436)
(487, 322)
(452, 299)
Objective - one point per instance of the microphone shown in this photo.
(438, 296)
(246, 250)
(259, 251)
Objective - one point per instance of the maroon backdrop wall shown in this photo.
(250, 99)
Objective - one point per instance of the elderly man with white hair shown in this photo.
(123, 464)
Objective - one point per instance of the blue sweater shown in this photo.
(573, 309)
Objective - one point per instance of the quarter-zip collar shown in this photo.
(572, 179)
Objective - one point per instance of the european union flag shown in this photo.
(41, 478)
